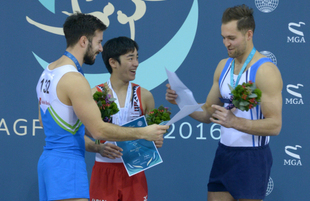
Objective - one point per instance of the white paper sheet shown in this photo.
(185, 99)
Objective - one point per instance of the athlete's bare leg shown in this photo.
(220, 196)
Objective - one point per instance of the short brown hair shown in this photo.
(243, 14)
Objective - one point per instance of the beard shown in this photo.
(89, 55)
(234, 54)
(238, 51)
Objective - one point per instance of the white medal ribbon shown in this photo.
(121, 117)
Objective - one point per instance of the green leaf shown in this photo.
(230, 87)
(244, 103)
(253, 87)
(236, 103)
(252, 96)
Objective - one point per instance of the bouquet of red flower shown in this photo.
(156, 116)
(106, 105)
(245, 96)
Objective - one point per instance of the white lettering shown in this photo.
(5, 127)
(296, 39)
(34, 127)
(190, 130)
(294, 101)
(18, 127)
(201, 132)
(170, 133)
(212, 130)
(22, 127)
(293, 162)
(287, 162)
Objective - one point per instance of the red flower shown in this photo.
(250, 82)
(250, 106)
(252, 100)
(244, 96)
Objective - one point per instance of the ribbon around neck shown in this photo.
(78, 66)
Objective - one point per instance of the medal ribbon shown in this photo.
(120, 118)
(242, 69)
(78, 66)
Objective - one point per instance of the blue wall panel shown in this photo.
(183, 36)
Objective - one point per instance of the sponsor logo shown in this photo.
(43, 102)
(299, 35)
(297, 100)
(266, 6)
(295, 159)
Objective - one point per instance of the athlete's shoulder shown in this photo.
(220, 67)
(265, 62)
(143, 91)
(73, 80)
(222, 64)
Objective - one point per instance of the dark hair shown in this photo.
(243, 14)
(80, 24)
(116, 47)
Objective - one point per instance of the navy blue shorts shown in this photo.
(242, 171)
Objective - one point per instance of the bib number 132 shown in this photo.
(45, 85)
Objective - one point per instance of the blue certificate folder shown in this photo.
(139, 155)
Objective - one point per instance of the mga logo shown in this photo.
(297, 100)
(293, 27)
(295, 160)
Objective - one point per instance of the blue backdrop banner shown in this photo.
(182, 36)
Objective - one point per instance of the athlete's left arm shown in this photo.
(147, 99)
(269, 81)
(148, 104)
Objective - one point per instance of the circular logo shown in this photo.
(140, 123)
(270, 55)
(270, 186)
(266, 6)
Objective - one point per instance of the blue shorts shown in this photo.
(242, 171)
(62, 176)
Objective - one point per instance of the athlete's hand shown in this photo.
(154, 132)
(110, 151)
(223, 116)
(170, 94)
(159, 143)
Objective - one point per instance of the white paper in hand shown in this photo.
(185, 96)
